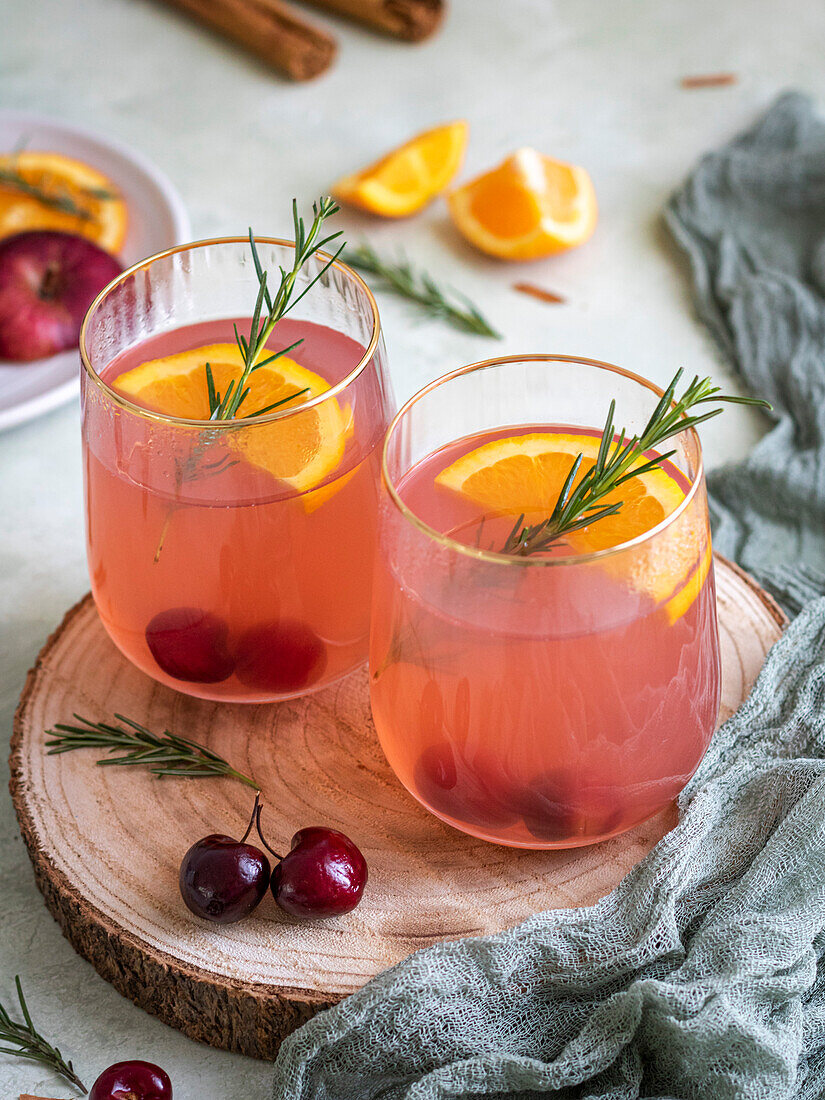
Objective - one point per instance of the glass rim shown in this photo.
(218, 425)
(493, 556)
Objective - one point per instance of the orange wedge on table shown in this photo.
(50, 191)
(301, 450)
(405, 180)
(529, 207)
(525, 474)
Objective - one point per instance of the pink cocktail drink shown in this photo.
(549, 701)
(234, 560)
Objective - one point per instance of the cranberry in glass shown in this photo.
(190, 644)
(323, 875)
(280, 657)
(471, 792)
(557, 807)
(132, 1081)
(222, 879)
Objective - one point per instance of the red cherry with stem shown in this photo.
(132, 1080)
(281, 657)
(222, 879)
(190, 644)
(322, 875)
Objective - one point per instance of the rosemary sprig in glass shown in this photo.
(23, 1040)
(401, 278)
(617, 461)
(269, 309)
(164, 754)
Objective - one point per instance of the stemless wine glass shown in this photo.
(551, 700)
(233, 559)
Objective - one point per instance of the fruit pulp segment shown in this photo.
(212, 574)
(537, 706)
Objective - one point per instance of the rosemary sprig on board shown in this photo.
(164, 754)
(401, 278)
(270, 308)
(57, 199)
(617, 461)
(23, 1040)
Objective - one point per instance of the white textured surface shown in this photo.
(594, 81)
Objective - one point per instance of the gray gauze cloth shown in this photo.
(702, 974)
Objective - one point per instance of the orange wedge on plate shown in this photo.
(302, 450)
(525, 474)
(529, 207)
(50, 191)
(409, 177)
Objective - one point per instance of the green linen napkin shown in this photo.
(703, 974)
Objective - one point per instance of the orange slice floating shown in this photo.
(525, 474)
(529, 207)
(301, 450)
(409, 177)
(68, 183)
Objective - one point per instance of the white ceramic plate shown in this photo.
(157, 220)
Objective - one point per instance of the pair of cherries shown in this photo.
(224, 880)
(193, 645)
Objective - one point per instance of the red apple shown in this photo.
(48, 280)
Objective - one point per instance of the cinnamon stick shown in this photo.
(411, 20)
(539, 292)
(708, 80)
(268, 29)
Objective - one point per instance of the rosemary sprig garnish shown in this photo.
(269, 309)
(23, 1040)
(164, 754)
(57, 199)
(617, 461)
(401, 278)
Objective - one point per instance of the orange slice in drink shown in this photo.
(50, 191)
(525, 474)
(406, 179)
(529, 207)
(301, 450)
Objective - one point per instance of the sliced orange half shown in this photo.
(301, 450)
(78, 198)
(525, 474)
(529, 207)
(409, 177)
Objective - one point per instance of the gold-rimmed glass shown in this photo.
(211, 572)
(541, 701)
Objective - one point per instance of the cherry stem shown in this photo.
(258, 812)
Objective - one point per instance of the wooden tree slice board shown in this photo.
(106, 843)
